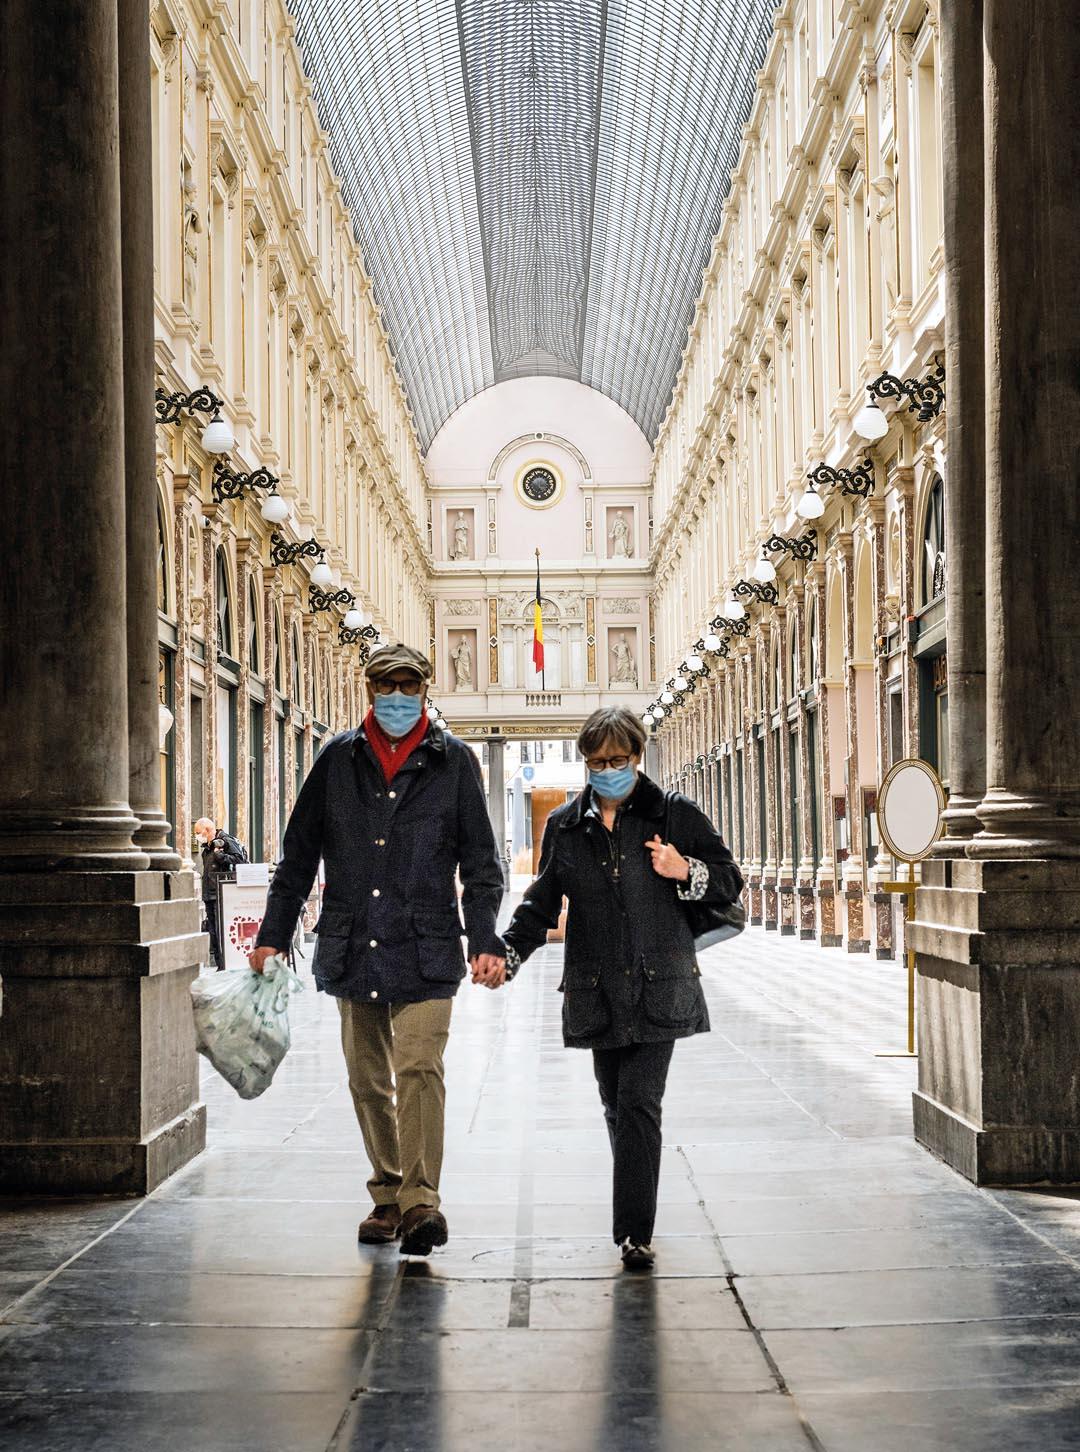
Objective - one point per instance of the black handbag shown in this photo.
(710, 923)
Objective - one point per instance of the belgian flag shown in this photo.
(538, 627)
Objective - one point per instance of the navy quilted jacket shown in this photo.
(390, 930)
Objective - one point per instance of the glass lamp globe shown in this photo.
(647, 717)
(353, 619)
(275, 510)
(322, 575)
(217, 437)
(811, 505)
(432, 713)
(870, 423)
(712, 642)
(680, 683)
(666, 698)
(764, 571)
(733, 609)
(694, 662)
(440, 723)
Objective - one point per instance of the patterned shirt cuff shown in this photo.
(695, 888)
(513, 961)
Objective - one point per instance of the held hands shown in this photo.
(488, 970)
(668, 861)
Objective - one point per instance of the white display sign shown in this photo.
(251, 874)
(243, 907)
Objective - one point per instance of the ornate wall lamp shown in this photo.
(766, 594)
(435, 715)
(858, 481)
(799, 549)
(925, 398)
(284, 553)
(319, 599)
(228, 483)
(217, 436)
(357, 629)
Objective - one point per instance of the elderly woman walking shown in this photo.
(628, 857)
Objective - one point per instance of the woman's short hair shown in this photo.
(616, 724)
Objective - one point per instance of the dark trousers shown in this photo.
(632, 1084)
(210, 909)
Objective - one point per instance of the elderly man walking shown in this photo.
(394, 809)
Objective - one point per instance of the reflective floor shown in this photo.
(820, 1281)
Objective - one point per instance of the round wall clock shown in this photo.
(539, 484)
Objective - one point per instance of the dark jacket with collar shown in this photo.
(631, 973)
(390, 931)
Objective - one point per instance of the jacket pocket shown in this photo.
(332, 950)
(438, 947)
(586, 1011)
(672, 1001)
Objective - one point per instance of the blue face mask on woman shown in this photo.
(614, 785)
(397, 713)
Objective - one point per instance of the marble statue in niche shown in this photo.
(192, 228)
(625, 672)
(463, 671)
(461, 549)
(620, 536)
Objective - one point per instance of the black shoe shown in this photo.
(422, 1229)
(636, 1257)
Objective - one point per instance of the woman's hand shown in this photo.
(668, 861)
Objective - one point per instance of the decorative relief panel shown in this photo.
(461, 607)
(621, 605)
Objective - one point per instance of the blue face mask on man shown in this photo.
(614, 785)
(397, 713)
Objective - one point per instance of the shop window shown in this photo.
(162, 572)
(253, 629)
(933, 580)
(224, 607)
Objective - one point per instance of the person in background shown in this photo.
(631, 984)
(220, 855)
(394, 809)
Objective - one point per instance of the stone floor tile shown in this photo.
(1019, 1419)
(455, 1421)
(170, 1421)
(881, 1249)
(906, 1297)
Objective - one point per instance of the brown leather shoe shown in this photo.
(422, 1229)
(381, 1227)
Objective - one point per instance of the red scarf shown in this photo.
(392, 755)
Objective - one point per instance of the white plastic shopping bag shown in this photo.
(242, 1023)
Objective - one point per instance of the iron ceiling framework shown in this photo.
(535, 183)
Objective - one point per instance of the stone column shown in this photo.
(997, 939)
(137, 277)
(64, 754)
(965, 526)
(96, 953)
(496, 746)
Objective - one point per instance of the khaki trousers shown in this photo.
(402, 1042)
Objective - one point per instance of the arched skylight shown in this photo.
(535, 183)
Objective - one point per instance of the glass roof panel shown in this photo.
(535, 184)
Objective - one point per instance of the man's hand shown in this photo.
(488, 970)
(258, 957)
(668, 861)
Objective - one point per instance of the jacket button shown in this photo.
(375, 892)
(392, 795)
(374, 943)
(374, 993)
(380, 841)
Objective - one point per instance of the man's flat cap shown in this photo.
(397, 658)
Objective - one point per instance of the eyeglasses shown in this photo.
(386, 686)
(599, 763)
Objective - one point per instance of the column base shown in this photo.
(99, 1080)
(103, 1166)
(1012, 1155)
(152, 837)
(998, 955)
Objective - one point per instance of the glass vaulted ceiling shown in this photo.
(535, 183)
